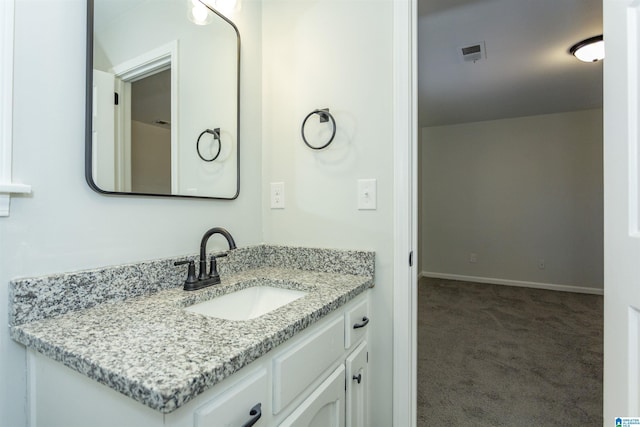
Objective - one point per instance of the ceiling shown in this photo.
(527, 69)
(106, 11)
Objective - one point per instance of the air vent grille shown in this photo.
(473, 52)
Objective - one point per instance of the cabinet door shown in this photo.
(238, 405)
(357, 387)
(324, 407)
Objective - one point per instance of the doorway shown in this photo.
(510, 166)
(150, 125)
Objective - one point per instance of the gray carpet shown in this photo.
(491, 355)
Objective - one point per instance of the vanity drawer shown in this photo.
(295, 369)
(356, 322)
(239, 404)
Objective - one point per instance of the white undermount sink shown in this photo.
(247, 303)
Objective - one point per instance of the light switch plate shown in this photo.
(277, 195)
(367, 194)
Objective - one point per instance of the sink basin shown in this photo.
(247, 303)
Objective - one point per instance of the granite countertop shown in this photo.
(150, 349)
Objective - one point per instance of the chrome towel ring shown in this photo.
(325, 116)
(216, 136)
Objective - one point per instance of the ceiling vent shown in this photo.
(473, 52)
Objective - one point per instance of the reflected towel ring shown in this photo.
(216, 136)
(325, 116)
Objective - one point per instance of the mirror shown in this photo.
(163, 105)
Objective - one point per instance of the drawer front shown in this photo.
(356, 323)
(299, 366)
(238, 405)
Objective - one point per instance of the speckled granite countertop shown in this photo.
(148, 348)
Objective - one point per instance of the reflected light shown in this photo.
(198, 13)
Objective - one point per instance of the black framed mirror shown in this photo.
(163, 99)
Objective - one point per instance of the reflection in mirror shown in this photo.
(151, 134)
(156, 79)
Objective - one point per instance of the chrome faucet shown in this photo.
(205, 279)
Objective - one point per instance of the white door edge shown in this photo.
(405, 204)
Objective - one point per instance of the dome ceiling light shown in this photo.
(589, 50)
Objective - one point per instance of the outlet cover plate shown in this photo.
(277, 195)
(367, 194)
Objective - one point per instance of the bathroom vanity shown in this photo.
(144, 360)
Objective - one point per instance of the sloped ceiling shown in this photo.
(106, 11)
(527, 70)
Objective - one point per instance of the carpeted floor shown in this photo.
(491, 355)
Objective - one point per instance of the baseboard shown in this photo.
(506, 282)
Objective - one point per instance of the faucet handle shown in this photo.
(213, 267)
(191, 272)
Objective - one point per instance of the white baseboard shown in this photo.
(519, 283)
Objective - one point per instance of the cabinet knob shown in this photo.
(365, 321)
(357, 378)
(255, 413)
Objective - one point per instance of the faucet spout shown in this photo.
(203, 249)
(211, 232)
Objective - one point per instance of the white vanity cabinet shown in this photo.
(306, 381)
(59, 397)
(341, 398)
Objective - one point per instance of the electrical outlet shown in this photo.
(473, 257)
(541, 264)
(277, 195)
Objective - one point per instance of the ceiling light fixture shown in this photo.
(589, 50)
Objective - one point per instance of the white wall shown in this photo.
(64, 225)
(335, 54)
(515, 191)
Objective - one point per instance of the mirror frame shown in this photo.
(88, 156)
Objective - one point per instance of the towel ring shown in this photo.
(216, 136)
(325, 116)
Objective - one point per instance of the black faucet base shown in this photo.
(201, 284)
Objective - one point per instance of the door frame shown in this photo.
(162, 58)
(621, 106)
(7, 186)
(405, 208)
